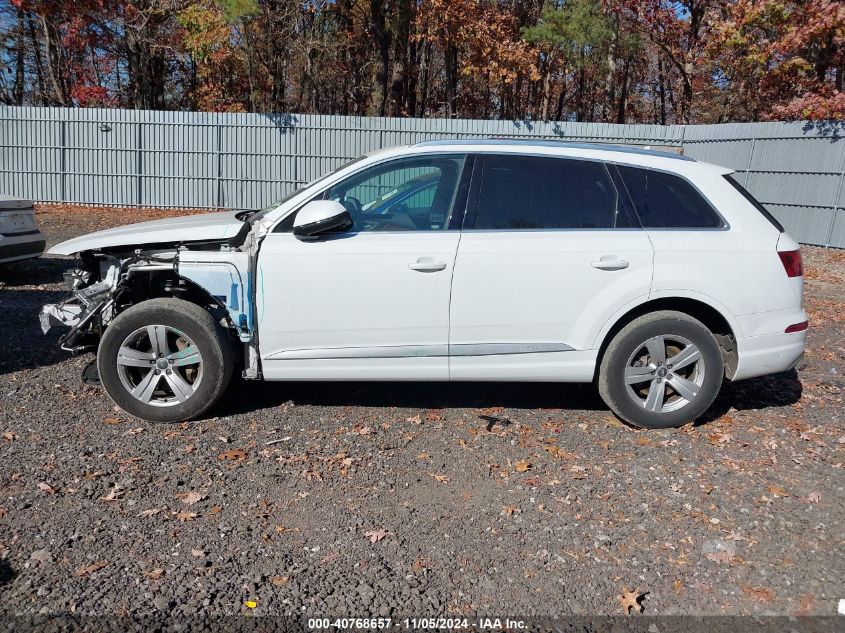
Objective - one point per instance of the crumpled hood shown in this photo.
(191, 228)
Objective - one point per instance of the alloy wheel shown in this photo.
(665, 373)
(159, 365)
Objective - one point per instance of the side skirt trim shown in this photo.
(417, 351)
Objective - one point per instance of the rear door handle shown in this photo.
(610, 262)
(427, 265)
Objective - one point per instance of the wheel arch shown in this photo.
(714, 316)
(168, 284)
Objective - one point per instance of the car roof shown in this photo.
(619, 154)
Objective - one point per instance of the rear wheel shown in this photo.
(661, 370)
(165, 360)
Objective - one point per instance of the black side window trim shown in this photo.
(457, 215)
(471, 209)
(755, 202)
(624, 203)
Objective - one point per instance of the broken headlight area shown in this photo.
(85, 310)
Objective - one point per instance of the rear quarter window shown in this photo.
(666, 201)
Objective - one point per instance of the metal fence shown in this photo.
(246, 161)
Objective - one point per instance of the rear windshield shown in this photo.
(754, 201)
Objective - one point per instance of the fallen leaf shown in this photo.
(154, 574)
(111, 421)
(149, 513)
(418, 565)
(215, 510)
(761, 594)
(280, 581)
(250, 604)
(362, 430)
(140, 429)
(719, 556)
(678, 586)
(422, 456)
(813, 497)
(234, 455)
(416, 419)
(115, 494)
(443, 479)
(8, 436)
(631, 600)
(90, 569)
(807, 602)
(376, 535)
(777, 491)
(198, 553)
(522, 466)
(44, 486)
(190, 498)
(184, 515)
(509, 510)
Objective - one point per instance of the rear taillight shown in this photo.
(797, 327)
(791, 261)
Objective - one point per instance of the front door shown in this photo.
(548, 255)
(373, 302)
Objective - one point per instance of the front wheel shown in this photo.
(165, 360)
(661, 370)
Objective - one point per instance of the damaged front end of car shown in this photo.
(215, 276)
(94, 288)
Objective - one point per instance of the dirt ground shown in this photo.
(400, 500)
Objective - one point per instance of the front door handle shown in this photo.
(427, 265)
(610, 262)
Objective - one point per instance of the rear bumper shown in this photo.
(21, 246)
(773, 352)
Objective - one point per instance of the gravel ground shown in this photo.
(414, 499)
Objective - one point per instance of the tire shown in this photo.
(634, 355)
(174, 385)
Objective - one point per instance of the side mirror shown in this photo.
(320, 216)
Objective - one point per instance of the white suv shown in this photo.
(652, 274)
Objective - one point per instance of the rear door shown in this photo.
(548, 253)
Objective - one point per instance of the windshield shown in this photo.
(254, 217)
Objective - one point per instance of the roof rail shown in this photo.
(532, 142)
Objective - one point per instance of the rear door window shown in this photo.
(538, 192)
(666, 201)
